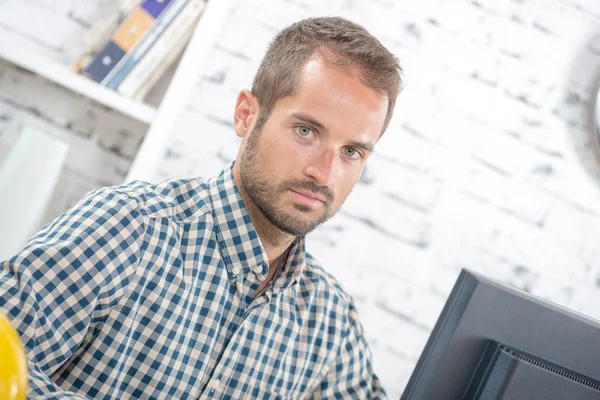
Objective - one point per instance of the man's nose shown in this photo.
(321, 167)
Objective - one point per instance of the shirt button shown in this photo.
(214, 385)
(236, 270)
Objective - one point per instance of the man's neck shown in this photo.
(274, 241)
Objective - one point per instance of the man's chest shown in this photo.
(185, 330)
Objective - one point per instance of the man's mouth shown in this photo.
(308, 198)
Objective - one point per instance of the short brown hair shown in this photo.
(349, 43)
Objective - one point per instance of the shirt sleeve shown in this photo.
(351, 376)
(66, 280)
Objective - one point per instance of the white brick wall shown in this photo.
(487, 163)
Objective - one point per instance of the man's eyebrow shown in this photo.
(307, 119)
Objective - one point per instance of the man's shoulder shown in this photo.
(322, 284)
(178, 199)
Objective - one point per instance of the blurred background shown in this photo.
(488, 163)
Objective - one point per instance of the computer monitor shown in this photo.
(495, 342)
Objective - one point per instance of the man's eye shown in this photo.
(304, 131)
(350, 152)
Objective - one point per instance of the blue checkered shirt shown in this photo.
(147, 291)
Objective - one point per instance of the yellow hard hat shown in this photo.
(13, 364)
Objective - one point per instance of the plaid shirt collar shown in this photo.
(239, 243)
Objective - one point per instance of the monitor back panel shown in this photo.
(479, 310)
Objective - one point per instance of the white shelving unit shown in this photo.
(41, 169)
(161, 120)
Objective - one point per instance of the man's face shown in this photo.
(301, 166)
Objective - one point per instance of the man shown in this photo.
(203, 289)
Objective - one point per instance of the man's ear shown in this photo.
(245, 113)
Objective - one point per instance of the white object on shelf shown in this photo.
(27, 180)
(63, 76)
(194, 57)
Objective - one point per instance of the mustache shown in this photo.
(311, 187)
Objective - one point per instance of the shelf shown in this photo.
(195, 57)
(61, 75)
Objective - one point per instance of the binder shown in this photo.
(124, 38)
(129, 61)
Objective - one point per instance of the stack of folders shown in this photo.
(144, 38)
